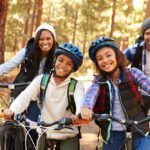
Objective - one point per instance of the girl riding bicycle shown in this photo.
(68, 59)
(114, 91)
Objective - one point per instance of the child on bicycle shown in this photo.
(68, 59)
(114, 91)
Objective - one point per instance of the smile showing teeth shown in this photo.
(61, 70)
(106, 66)
(45, 46)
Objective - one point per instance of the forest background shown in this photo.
(75, 21)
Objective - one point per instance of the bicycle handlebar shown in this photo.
(62, 123)
(103, 117)
(13, 85)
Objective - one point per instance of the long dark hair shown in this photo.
(120, 58)
(36, 55)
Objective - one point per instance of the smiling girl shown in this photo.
(114, 91)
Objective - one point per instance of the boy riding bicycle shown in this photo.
(68, 59)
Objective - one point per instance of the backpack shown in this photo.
(26, 73)
(138, 54)
(70, 92)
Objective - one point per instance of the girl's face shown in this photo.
(64, 65)
(106, 59)
(45, 41)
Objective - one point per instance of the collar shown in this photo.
(65, 82)
(123, 77)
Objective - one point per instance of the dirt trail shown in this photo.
(89, 137)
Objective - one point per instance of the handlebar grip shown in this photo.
(1, 115)
(83, 121)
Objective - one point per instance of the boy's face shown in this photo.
(106, 59)
(64, 65)
(147, 38)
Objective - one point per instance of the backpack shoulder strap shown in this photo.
(43, 87)
(70, 92)
(138, 56)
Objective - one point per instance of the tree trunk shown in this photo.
(75, 27)
(39, 13)
(15, 45)
(124, 43)
(3, 14)
(85, 37)
(84, 43)
(26, 25)
(33, 18)
(113, 18)
(147, 14)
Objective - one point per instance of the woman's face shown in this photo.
(45, 41)
(64, 65)
(106, 59)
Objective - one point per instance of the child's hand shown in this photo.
(86, 113)
(75, 120)
(8, 114)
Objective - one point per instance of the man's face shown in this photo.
(147, 38)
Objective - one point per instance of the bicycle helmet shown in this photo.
(71, 51)
(99, 43)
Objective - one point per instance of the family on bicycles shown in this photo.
(114, 90)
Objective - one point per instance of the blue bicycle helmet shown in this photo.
(71, 51)
(99, 43)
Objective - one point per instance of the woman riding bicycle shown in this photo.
(68, 59)
(114, 91)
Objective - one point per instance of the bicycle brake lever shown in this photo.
(19, 117)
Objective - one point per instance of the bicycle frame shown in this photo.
(41, 126)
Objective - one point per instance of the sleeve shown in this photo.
(79, 95)
(141, 79)
(91, 95)
(12, 63)
(130, 52)
(30, 93)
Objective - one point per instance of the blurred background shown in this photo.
(75, 21)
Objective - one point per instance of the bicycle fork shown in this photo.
(129, 141)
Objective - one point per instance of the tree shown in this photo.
(113, 18)
(3, 14)
(75, 26)
(147, 10)
(33, 19)
(39, 13)
(26, 24)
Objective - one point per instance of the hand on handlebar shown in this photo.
(8, 114)
(86, 113)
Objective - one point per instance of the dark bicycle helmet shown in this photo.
(99, 43)
(71, 51)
